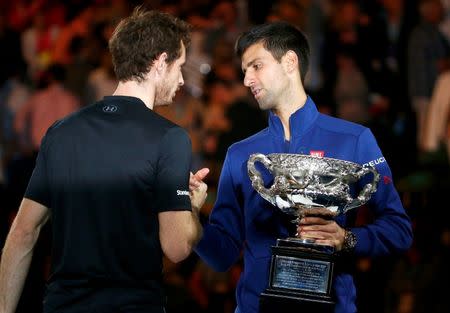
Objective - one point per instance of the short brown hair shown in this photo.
(277, 38)
(140, 39)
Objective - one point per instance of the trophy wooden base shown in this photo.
(300, 278)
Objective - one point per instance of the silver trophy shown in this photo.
(304, 185)
(309, 185)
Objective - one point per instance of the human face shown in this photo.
(265, 76)
(172, 81)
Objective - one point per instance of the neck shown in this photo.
(143, 91)
(294, 100)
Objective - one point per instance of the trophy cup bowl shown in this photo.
(304, 185)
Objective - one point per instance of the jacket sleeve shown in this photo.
(390, 231)
(222, 239)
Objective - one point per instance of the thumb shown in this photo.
(201, 173)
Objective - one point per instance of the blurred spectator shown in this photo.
(218, 97)
(316, 14)
(22, 11)
(80, 26)
(198, 64)
(288, 10)
(445, 25)
(37, 44)
(351, 92)
(436, 136)
(225, 26)
(348, 33)
(13, 94)
(391, 29)
(44, 107)
(239, 114)
(10, 58)
(102, 80)
(428, 56)
(82, 63)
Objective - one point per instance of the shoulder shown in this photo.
(167, 129)
(337, 125)
(65, 122)
(249, 143)
(69, 120)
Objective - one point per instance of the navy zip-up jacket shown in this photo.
(242, 220)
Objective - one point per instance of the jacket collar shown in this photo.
(299, 122)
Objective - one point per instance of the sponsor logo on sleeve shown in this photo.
(375, 162)
(182, 193)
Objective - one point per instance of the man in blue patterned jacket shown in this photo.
(275, 61)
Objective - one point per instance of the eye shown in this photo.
(257, 66)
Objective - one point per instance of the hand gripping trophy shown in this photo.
(301, 270)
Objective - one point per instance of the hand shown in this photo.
(196, 179)
(197, 189)
(324, 231)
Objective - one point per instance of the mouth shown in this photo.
(256, 92)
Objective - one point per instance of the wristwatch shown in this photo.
(349, 241)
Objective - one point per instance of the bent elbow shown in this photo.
(179, 250)
(178, 253)
(176, 258)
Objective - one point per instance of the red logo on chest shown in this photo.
(317, 153)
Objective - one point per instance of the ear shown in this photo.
(290, 61)
(160, 63)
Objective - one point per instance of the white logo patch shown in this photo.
(375, 162)
(182, 193)
(109, 108)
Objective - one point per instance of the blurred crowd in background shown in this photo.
(381, 63)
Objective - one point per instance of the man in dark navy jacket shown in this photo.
(114, 179)
(275, 60)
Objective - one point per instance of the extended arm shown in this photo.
(179, 231)
(223, 235)
(18, 252)
(179, 226)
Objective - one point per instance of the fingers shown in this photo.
(324, 231)
(328, 228)
(194, 183)
(201, 173)
(203, 187)
(314, 220)
(195, 180)
(198, 196)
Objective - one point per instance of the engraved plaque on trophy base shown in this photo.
(300, 278)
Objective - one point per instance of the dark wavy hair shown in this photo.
(277, 38)
(141, 38)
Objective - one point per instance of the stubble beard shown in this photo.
(265, 102)
(164, 95)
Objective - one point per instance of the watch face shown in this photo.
(349, 241)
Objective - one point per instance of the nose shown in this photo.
(181, 81)
(248, 79)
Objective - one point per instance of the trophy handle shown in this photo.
(255, 175)
(368, 189)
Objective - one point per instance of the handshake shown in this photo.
(198, 189)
